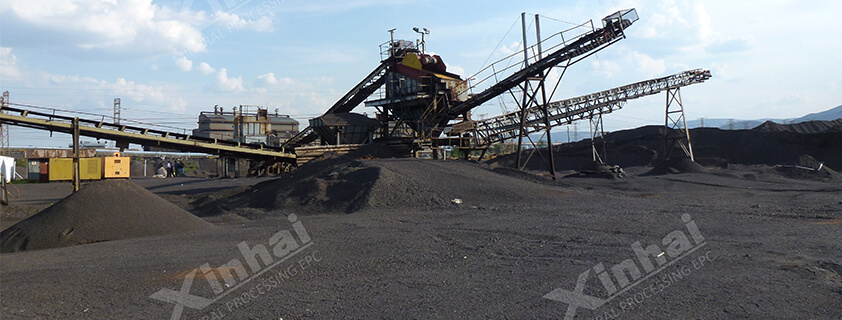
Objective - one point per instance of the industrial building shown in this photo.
(246, 124)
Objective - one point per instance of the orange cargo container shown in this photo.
(115, 166)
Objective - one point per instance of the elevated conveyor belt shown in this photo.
(361, 91)
(348, 102)
(143, 136)
(589, 43)
(303, 137)
(566, 111)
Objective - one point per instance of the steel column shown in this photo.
(76, 172)
(544, 99)
(597, 131)
(525, 90)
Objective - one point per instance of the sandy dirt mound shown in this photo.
(101, 211)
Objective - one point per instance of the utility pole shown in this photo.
(4, 128)
(568, 134)
(76, 171)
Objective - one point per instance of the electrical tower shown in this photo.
(4, 128)
(116, 110)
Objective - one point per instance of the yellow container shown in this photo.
(116, 166)
(90, 168)
(61, 169)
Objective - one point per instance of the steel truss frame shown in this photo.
(675, 126)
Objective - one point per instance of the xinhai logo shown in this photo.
(234, 274)
(621, 277)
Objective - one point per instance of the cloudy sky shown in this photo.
(168, 60)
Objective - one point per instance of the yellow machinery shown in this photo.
(115, 166)
(61, 169)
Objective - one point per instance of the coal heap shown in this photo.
(363, 179)
(100, 211)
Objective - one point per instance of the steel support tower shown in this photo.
(675, 126)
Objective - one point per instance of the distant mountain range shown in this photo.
(735, 124)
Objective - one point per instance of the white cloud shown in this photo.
(205, 68)
(229, 84)
(605, 68)
(668, 17)
(330, 7)
(647, 65)
(127, 28)
(457, 70)
(95, 29)
(730, 44)
(183, 63)
(121, 87)
(269, 79)
(8, 64)
(510, 49)
(233, 21)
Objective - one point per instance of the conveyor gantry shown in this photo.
(144, 136)
(585, 45)
(505, 127)
(348, 102)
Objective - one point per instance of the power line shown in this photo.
(93, 114)
(559, 20)
(500, 43)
